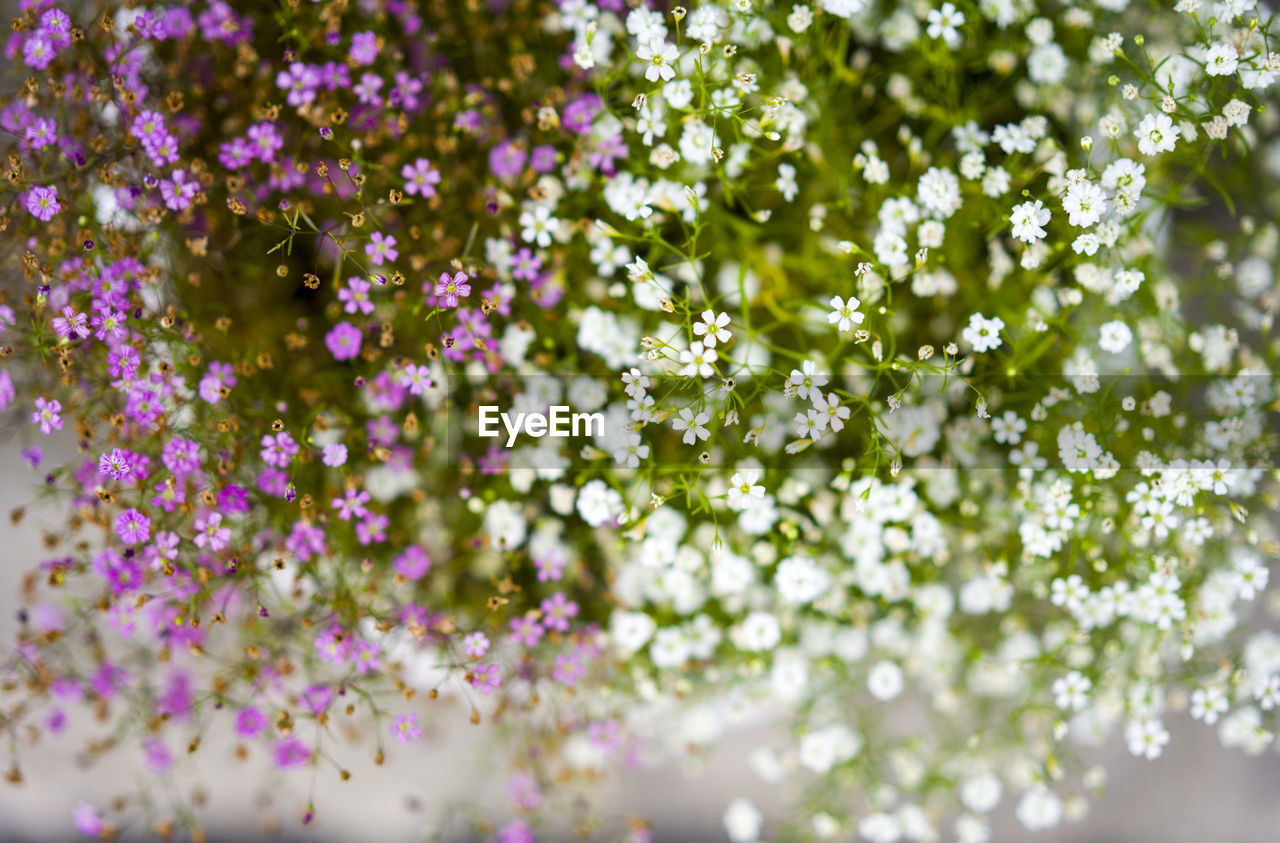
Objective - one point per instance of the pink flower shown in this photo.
(485, 677)
(250, 722)
(278, 450)
(343, 341)
(475, 645)
(70, 323)
(87, 820)
(334, 455)
(133, 527)
(405, 728)
(210, 533)
(451, 288)
(356, 296)
(420, 178)
(526, 630)
(352, 505)
(46, 415)
(381, 248)
(556, 612)
(413, 563)
(291, 752)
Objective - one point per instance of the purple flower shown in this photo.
(543, 159)
(70, 323)
(250, 722)
(39, 51)
(42, 133)
(381, 248)
(334, 455)
(452, 288)
(278, 450)
(507, 160)
(486, 677)
(181, 456)
(413, 563)
(420, 178)
(57, 25)
(46, 415)
(291, 752)
(178, 191)
(43, 203)
(526, 630)
(301, 81)
(7, 390)
(220, 375)
(148, 125)
(475, 645)
(265, 141)
(367, 90)
(405, 728)
(133, 527)
(116, 465)
(364, 48)
(210, 533)
(343, 341)
(157, 755)
(356, 296)
(87, 821)
(556, 612)
(352, 505)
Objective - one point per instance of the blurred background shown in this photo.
(1197, 793)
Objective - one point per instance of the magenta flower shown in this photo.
(352, 505)
(364, 48)
(250, 722)
(450, 289)
(157, 756)
(550, 568)
(475, 645)
(109, 322)
(291, 752)
(507, 160)
(356, 296)
(568, 670)
(39, 51)
(372, 529)
(405, 728)
(87, 821)
(46, 415)
(210, 533)
(334, 455)
(556, 612)
(42, 203)
(116, 465)
(42, 133)
(133, 527)
(178, 191)
(420, 178)
(413, 563)
(8, 391)
(278, 450)
(485, 677)
(526, 630)
(344, 341)
(301, 81)
(70, 323)
(381, 248)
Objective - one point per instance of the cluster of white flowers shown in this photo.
(912, 353)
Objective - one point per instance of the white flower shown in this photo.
(839, 8)
(1221, 60)
(1146, 738)
(885, 681)
(698, 360)
(758, 632)
(743, 489)
(692, 426)
(742, 821)
(786, 182)
(630, 631)
(800, 580)
(713, 329)
(537, 226)
(632, 452)
(844, 314)
(1156, 133)
(1115, 337)
(943, 23)
(981, 793)
(1085, 203)
(1039, 809)
(1028, 221)
(598, 504)
(660, 55)
(983, 333)
(1008, 429)
(807, 379)
(1207, 704)
(1071, 691)
(830, 413)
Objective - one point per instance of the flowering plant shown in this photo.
(931, 372)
